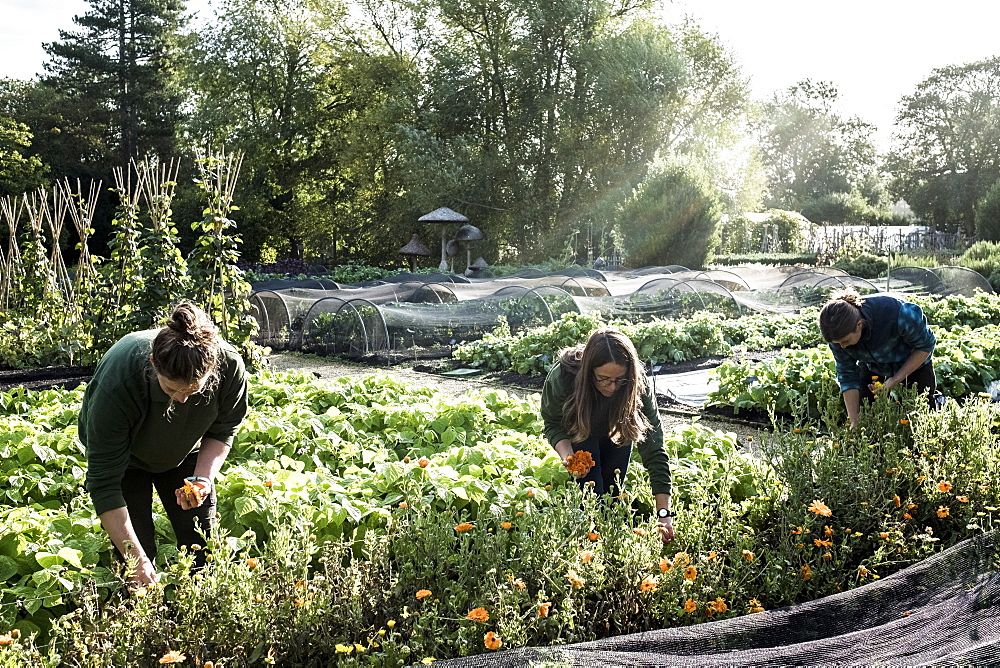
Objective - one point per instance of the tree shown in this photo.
(539, 114)
(809, 150)
(121, 65)
(19, 172)
(280, 82)
(947, 144)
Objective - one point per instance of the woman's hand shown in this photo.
(143, 575)
(192, 494)
(665, 525)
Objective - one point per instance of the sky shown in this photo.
(874, 51)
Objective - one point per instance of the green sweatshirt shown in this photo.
(123, 421)
(651, 451)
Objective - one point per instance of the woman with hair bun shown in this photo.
(879, 338)
(597, 400)
(161, 412)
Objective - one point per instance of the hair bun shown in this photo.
(850, 296)
(192, 326)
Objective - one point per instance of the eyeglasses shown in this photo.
(601, 380)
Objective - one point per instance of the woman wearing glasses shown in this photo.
(597, 399)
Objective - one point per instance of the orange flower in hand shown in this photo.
(579, 463)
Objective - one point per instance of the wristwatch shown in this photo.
(663, 513)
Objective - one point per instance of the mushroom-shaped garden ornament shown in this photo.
(465, 236)
(442, 217)
(414, 249)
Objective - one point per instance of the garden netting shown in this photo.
(944, 610)
(427, 310)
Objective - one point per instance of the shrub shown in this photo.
(671, 218)
(864, 265)
(984, 257)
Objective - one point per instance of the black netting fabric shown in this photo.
(944, 610)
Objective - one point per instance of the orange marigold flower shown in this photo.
(492, 640)
(299, 602)
(748, 555)
(827, 556)
(424, 593)
(519, 583)
(921, 478)
(712, 556)
(681, 559)
(690, 605)
(423, 462)
(797, 531)
(690, 573)
(896, 500)
(911, 506)
(944, 486)
(530, 492)
(943, 511)
(478, 615)
(827, 530)
(594, 536)
(406, 459)
(6, 639)
(543, 609)
(464, 526)
(579, 463)
(962, 499)
(753, 605)
(797, 430)
(800, 545)
(208, 664)
(252, 562)
(822, 543)
(806, 572)
(820, 508)
(718, 605)
(268, 483)
(15, 633)
(648, 584)
(665, 565)
(586, 556)
(640, 531)
(907, 516)
(883, 534)
(173, 656)
(863, 572)
(575, 579)
(506, 525)
(404, 504)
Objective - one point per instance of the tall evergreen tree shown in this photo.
(122, 64)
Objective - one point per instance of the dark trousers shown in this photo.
(137, 487)
(610, 464)
(923, 378)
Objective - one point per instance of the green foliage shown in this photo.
(944, 161)
(780, 259)
(864, 265)
(20, 172)
(984, 257)
(784, 233)
(670, 218)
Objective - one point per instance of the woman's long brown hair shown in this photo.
(628, 422)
